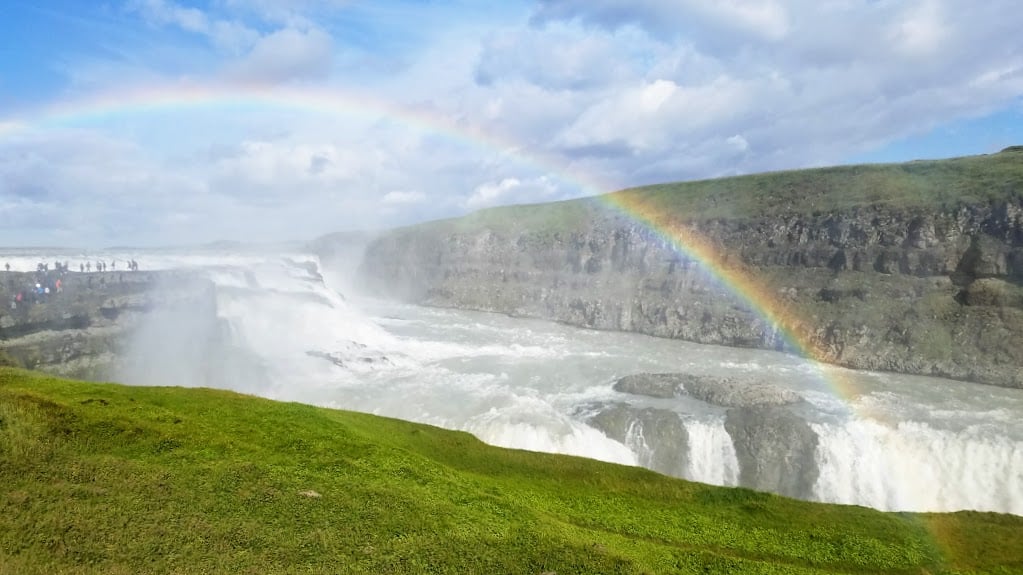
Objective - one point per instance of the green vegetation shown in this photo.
(956, 181)
(101, 478)
(564, 216)
(970, 180)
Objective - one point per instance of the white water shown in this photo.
(927, 444)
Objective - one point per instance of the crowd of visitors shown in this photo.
(49, 282)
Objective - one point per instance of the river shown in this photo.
(888, 441)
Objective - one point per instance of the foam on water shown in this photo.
(711, 453)
(914, 466)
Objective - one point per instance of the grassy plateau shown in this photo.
(103, 478)
(930, 184)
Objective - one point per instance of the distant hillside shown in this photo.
(913, 267)
(101, 478)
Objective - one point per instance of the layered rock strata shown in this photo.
(921, 286)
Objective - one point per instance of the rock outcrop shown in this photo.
(924, 276)
(775, 446)
(723, 392)
(776, 450)
(82, 331)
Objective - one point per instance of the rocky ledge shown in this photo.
(80, 329)
(723, 392)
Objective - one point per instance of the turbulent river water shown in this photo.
(279, 329)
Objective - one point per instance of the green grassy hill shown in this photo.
(909, 185)
(100, 478)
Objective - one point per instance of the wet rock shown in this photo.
(658, 435)
(660, 385)
(775, 448)
(724, 392)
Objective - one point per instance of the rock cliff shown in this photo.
(83, 330)
(914, 268)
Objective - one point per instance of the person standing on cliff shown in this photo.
(7, 266)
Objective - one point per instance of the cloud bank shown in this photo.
(467, 105)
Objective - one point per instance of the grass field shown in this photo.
(102, 478)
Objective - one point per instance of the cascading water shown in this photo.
(712, 456)
(273, 327)
(915, 466)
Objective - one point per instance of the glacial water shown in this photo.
(280, 330)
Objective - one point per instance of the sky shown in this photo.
(168, 122)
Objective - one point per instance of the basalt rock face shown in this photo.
(931, 289)
(83, 330)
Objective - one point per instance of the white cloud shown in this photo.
(921, 30)
(652, 115)
(511, 191)
(165, 12)
(491, 193)
(738, 142)
(230, 35)
(479, 112)
(398, 197)
(753, 19)
(287, 54)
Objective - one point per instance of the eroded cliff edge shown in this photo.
(915, 268)
(84, 331)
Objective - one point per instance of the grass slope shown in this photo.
(905, 186)
(101, 478)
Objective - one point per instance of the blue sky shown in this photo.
(315, 116)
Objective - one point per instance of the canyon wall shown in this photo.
(924, 276)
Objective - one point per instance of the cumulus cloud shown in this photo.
(651, 116)
(287, 54)
(921, 29)
(751, 19)
(510, 191)
(581, 60)
(231, 35)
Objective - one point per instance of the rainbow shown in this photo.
(683, 238)
(143, 100)
(686, 240)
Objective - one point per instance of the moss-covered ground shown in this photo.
(102, 478)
